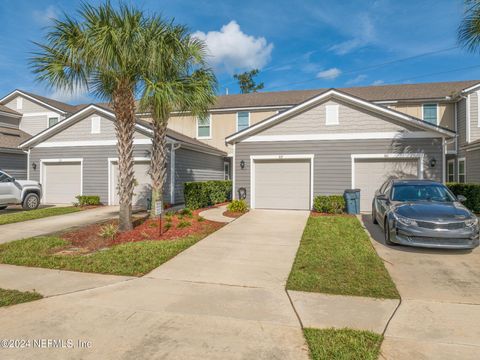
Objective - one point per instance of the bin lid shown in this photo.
(352, 190)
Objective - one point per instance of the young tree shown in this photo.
(103, 51)
(175, 78)
(247, 83)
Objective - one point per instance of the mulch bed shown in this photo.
(87, 238)
(233, 214)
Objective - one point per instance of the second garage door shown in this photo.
(282, 184)
(143, 188)
(61, 182)
(370, 174)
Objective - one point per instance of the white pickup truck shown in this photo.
(19, 192)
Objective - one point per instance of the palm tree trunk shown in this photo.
(158, 164)
(124, 108)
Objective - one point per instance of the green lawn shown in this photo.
(12, 297)
(336, 257)
(13, 217)
(135, 258)
(343, 344)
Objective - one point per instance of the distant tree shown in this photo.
(247, 83)
(469, 29)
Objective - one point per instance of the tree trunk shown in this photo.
(158, 164)
(124, 108)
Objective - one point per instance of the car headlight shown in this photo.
(404, 220)
(471, 222)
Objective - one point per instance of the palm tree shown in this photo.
(102, 51)
(469, 29)
(175, 78)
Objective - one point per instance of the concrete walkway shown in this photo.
(223, 298)
(216, 214)
(51, 224)
(50, 282)
(439, 315)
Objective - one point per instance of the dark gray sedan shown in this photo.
(424, 213)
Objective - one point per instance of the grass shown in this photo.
(336, 257)
(13, 217)
(133, 259)
(12, 297)
(343, 344)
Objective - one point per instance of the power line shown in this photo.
(437, 73)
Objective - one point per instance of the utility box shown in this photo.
(352, 201)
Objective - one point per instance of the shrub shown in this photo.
(207, 193)
(167, 226)
(108, 231)
(331, 204)
(183, 224)
(200, 219)
(238, 206)
(85, 200)
(186, 212)
(470, 191)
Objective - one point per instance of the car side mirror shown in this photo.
(12, 179)
(461, 198)
(382, 197)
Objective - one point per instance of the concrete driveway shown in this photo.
(439, 315)
(223, 298)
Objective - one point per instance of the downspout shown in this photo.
(174, 146)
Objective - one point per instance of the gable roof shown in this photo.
(50, 103)
(10, 138)
(410, 120)
(142, 126)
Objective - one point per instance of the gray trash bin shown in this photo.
(352, 201)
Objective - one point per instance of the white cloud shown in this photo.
(378, 82)
(44, 17)
(231, 49)
(329, 74)
(363, 35)
(70, 97)
(357, 79)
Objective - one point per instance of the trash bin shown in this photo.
(352, 201)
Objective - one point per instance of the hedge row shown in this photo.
(470, 191)
(84, 200)
(207, 193)
(332, 204)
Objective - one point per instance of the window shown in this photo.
(96, 125)
(204, 130)
(451, 171)
(461, 170)
(331, 115)
(243, 120)
(422, 192)
(226, 171)
(52, 121)
(430, 112)
(4, 177)
(19, 103)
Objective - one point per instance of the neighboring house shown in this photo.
(79, 156)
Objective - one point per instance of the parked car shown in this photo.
(424, 213)
(24, 192)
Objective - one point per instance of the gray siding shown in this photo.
(195, 166)
(14, 164)
(352, 119)
(332, 162)
(95, 165)
(472, 161)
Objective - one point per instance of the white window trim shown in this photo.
(278, 157)
(210, 127)
(438, 111)
(43, 180)
(464, 169)
(226, 175)
(96, 125)
(418, 156)
(467, 127)
(451, 161)
(110, 162)
(335, 120)
(236, 126)
(478, 108)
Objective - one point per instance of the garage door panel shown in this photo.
(62, 182)
(370, 174)
(282, 184)
(143, 189)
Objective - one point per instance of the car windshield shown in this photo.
(418, 192)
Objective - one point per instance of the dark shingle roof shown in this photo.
(11, 138)
(56, 104)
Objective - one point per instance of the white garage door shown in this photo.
(370, 174)
(61, 182)
(143, 188)
(282, 184)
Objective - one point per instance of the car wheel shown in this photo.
(3, 207)
(374, 215)
(31, 201)
(386, 230)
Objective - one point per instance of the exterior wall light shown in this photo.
(34, 165)
(433, 162)
(242, 164)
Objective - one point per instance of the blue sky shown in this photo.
(296, 45)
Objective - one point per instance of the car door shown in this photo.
(382, 200)
(7, 190)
